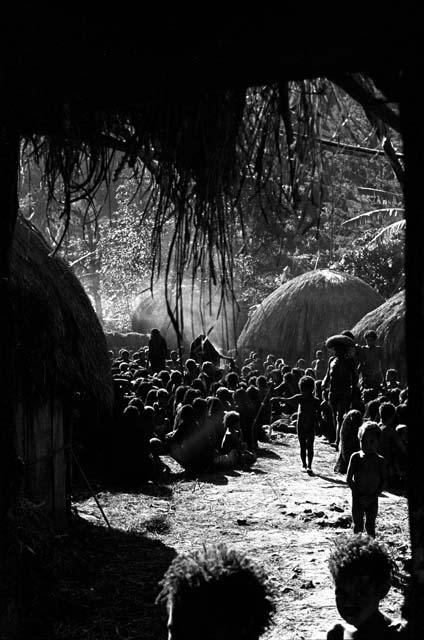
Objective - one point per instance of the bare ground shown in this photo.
(275, 513)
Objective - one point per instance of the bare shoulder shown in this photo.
(335, 633)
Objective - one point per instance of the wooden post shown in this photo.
(10, 605)
(9, 168)
(413, 135)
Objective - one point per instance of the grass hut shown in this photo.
(222, 326)
(294, 321)
(61, 365)
(388, 320)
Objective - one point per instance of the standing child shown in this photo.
(366, 477)
(307, 419)
(362, 571)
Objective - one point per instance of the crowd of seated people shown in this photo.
(210, 417)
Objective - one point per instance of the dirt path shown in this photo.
(281, 517)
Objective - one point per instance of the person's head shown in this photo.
(370, 337)
(215, 594)
(215, 408)
(130, 417)
(186, 413)
(173, 356)
(190, 395)
(143, 389)
(164, 376)
(369, 436)
(297, 374)
(275, 376)
(208, 369)
(151, 397)
(353, 419)
(301, 363)
(349, 334)
(240, 397)
(123, 367)
(362, 571)
(261, 383)
(179, 394)
(124, 354)
(402, 414)
(288, 378)
(372, 409)
(191, 365)
(307, 386)
(245, 371)
(162, 397)
(232, 420)
(253, 395)
(154, 333)
(224, 395)
(369, 394)
(176, 378)
(232, 380)
(310, 372)
(392, 376)
(200, 409)
(137, 402)
(387, 413)
(199, 385)
(319, 355)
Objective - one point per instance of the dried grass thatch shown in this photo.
(201, 314)
(388, 320)
(296, 319)
(60, 345)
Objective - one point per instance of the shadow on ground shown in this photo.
(108, 590)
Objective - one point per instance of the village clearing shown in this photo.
(279, 516)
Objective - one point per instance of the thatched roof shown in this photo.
(169, 91)
(60, 346)
(200, 315)
(296, 319)
(388, 320)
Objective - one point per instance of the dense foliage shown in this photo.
(292, 210)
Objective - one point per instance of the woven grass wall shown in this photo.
(388, 320)
(294, 321)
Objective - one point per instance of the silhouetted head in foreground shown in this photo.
(215, 594)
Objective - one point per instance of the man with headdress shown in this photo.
(202, 350)
(341, 379)
(158, 351)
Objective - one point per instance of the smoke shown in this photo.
(204, 310)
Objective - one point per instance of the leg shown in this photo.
(370, 517)
(310, 450)
(357, 515)
(302, 443)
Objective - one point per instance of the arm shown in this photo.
(351, 471)
(292, 403)
(326, 379)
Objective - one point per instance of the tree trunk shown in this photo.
(413, 135)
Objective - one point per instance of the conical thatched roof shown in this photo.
(199, 317)
(296, 319)
(388, 320)
(60, 345)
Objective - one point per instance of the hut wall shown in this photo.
(41, 443)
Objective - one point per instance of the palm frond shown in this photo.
(388, 233)
(376, 216)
